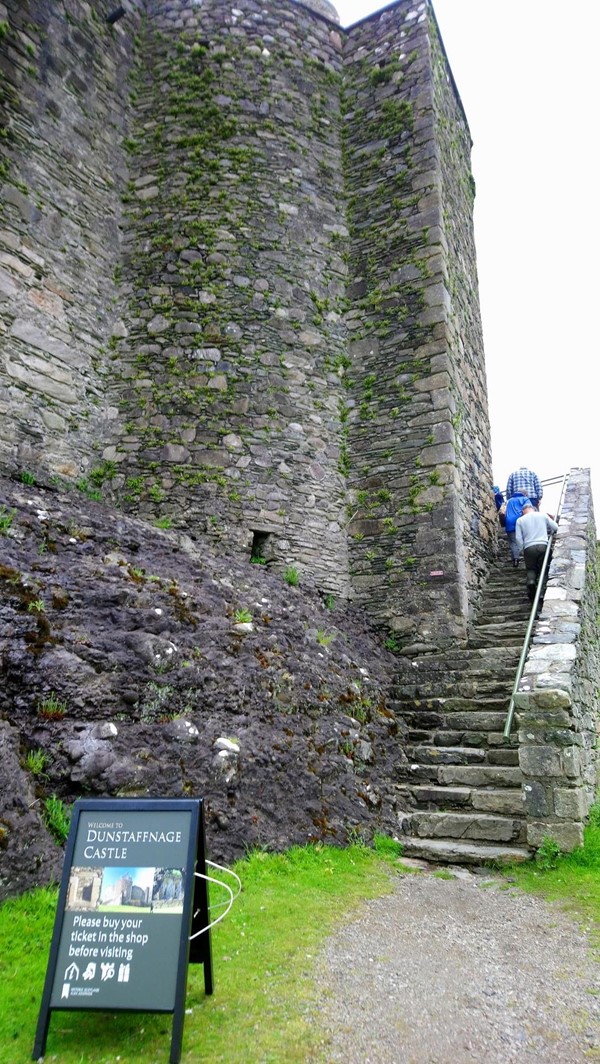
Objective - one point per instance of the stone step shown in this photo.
(500, 591)
(480, 775)
(494, 749)
(494, 686)
(506, 800)
(505, 666)
(504, 755)
(506, 633)
(513, 639)
(513, 627)
(487, 827)
(502, 610)
(442, 680)
(502, 568)
(500, 596)
(426, 795)
(441, 705)
(509, 613)
(447, 755)
(473, 720)
(482, 740)
(480, 658)
(498, 588)
(446, 674)
(453, 851)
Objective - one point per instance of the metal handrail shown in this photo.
(532, 616)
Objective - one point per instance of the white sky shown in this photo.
(527, 74)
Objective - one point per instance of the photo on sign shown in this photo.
(114, 888)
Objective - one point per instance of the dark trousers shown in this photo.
(534, 557)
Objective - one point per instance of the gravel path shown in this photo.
(460, 971)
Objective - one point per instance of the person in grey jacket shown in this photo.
(532, 532)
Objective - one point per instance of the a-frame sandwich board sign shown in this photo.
(128, 903)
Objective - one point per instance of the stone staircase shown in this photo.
(462, 783)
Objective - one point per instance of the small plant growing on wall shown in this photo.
(291, 576)
(102, 473)
(36, 761)
(57, 817)
(83, 485)
(324, 638)
(6, 519)
(548, 853)
(52, 708)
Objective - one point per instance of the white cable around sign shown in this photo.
(219, 883)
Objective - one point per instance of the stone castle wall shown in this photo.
(239, 289)
(63, 114)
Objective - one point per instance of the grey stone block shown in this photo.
(540, 761)
(537, 799)
(568, 835)
(570, 803)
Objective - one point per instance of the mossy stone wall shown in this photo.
(227, 360)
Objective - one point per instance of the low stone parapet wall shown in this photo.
(557, 702)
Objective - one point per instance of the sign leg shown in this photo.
(176, 1036)
(41, 1034)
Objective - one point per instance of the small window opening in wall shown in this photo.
(116, 15)
(259, 546)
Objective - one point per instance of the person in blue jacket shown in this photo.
(500, 507)
(514, 509)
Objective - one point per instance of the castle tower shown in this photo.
(418, 431)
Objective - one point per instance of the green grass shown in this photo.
(6, 519)
(264, 1008)
(36, 761)
(574, 879)
(57, 817)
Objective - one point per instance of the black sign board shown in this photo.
(128, 903)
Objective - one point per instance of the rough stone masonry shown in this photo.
(238, 288)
